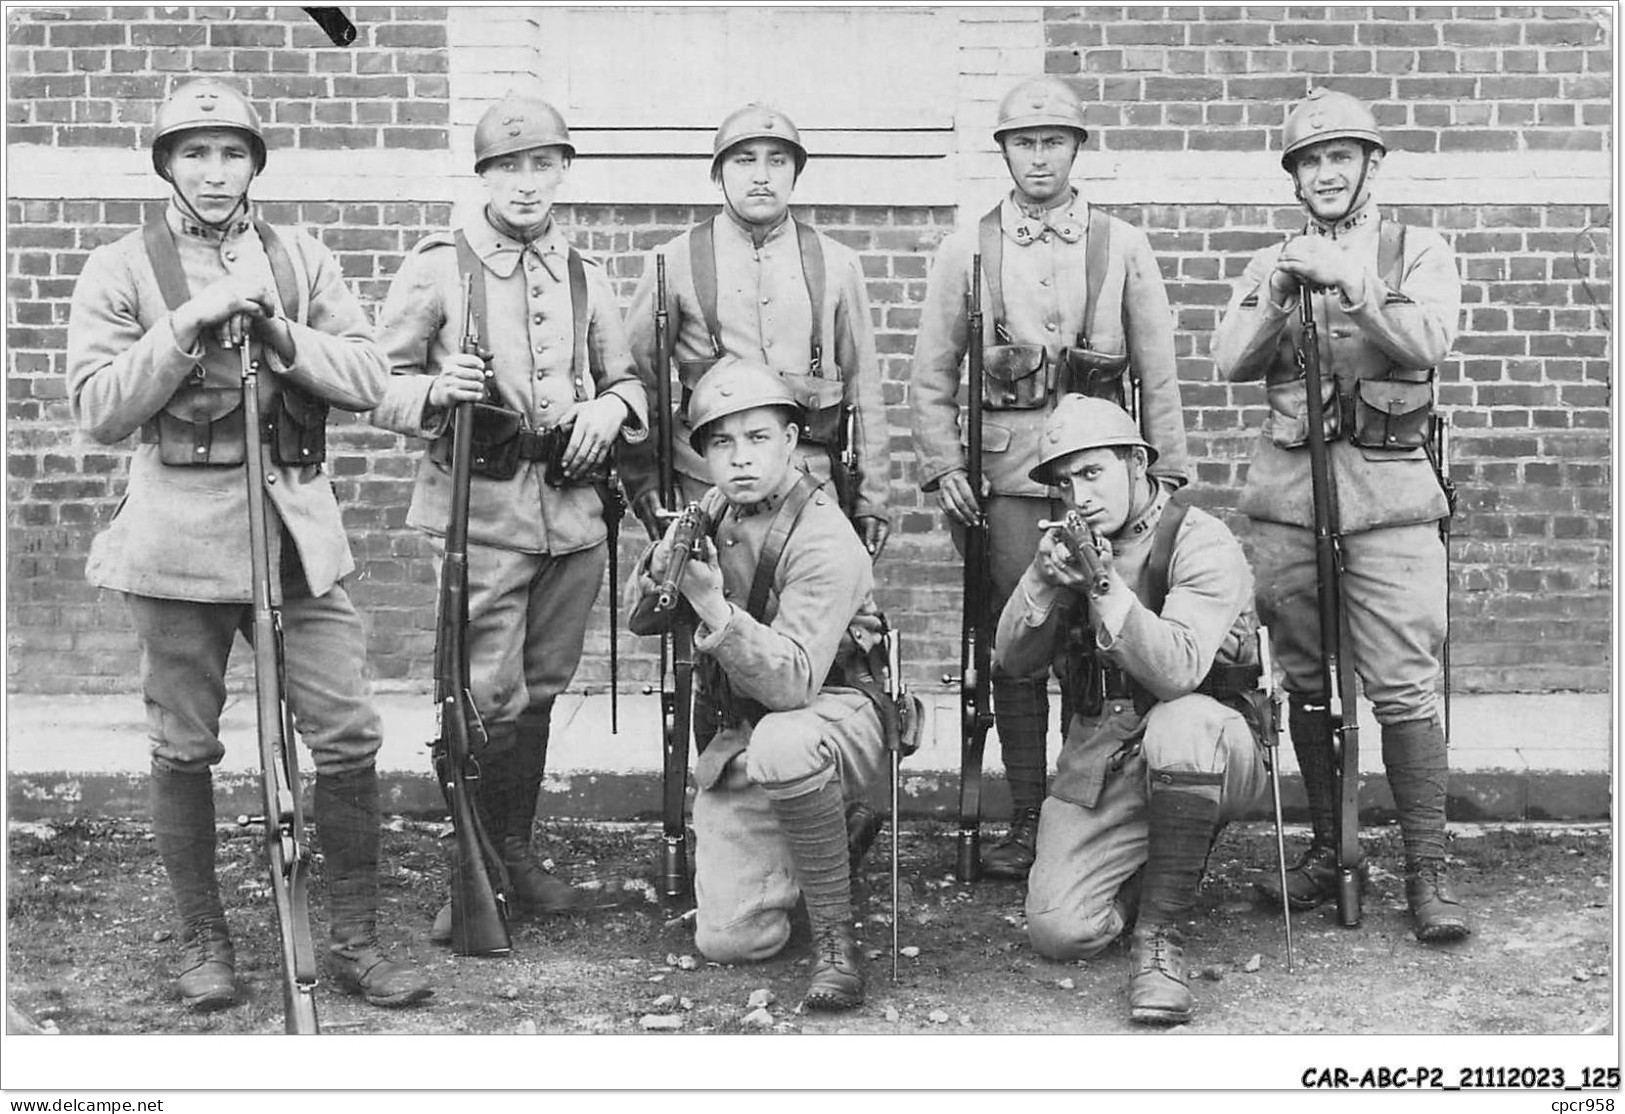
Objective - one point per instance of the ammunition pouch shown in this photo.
(1013, 377)
(199, 426)
(298, 421)
(1083, 371)
(823, 406)
(203, 426)
(495, 432)
(1288, 424)
(1393, 413)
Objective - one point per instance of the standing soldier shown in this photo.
(1073, 302)
(755, 283)
(1161, 651)
(792, 735)
(555, 388)
(1386, 299)
(153, 334)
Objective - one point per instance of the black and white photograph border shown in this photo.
(1500, 137)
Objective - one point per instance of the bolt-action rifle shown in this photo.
(1268, 704)
(677, 644)
(976, 637)
(1085, 546)
(1337, 668)
(286, 848)
(479, 879)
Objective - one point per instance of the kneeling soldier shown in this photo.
(786, 736)
(555, 388)
(1160, 648)
(152, 342)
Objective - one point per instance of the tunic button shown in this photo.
(1117, 708)
(231, 257)
(537, 319)
(1166, 779)
(766, 300)
(271, 479)
(727, 593)
(545, 403)
(541, 348)
(1043, 282)
(731, 541)
(1050, 325)
(536, 292)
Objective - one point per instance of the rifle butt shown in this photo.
(477, 924)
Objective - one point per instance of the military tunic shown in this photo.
(177, 546)
(1093, 832)
(536, 552)
(1388, 500)
(764, 314)
(745, 882)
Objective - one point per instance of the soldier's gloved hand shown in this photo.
(461, 378)
(874, 531)
(593, 425)
(958, 501)
(647, 508)
(1323, 263)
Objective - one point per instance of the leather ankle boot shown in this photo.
(837, 973)
(1437, 914)
(208, 977)
(1158, 992)
(1013, 856)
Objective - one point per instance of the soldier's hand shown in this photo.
(1054, 564)
(957, 499)
(1322, 263)
(702, 587)
(226, 305)
(874, 531)
(647, 509)
(461, 378)
(594, 425)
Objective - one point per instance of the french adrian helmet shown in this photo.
(516, 124)
(1081, 422)
(1326, 114)
(756, 121)
(207, 103)
(733, 386)
(1043, 102)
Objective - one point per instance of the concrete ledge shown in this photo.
(1513, 758)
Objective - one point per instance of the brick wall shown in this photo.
(1528, 384)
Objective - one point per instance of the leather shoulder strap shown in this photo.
(579, 310)
(1097, 258)
(702, 262)
(812, 270)
(1162, 554)
(166, 262)
(1391, 253)
(990, 239)
(773, 548)
(288, 286)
